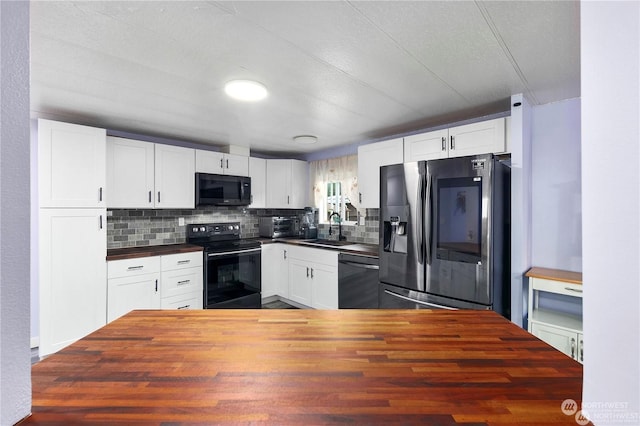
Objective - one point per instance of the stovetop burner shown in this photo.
(219, 237)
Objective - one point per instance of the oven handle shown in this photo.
(420, 302)
(226, 253)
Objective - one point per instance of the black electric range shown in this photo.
(232, 265)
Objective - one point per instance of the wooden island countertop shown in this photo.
(307, 367)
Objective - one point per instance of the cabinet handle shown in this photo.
(158, 197)
(311, 273)
(184, 282)
(182, 262)
(581, 351)
(150, 200)
(184, 307)
(576, 290)
(227, 164)
(444, 143)
(100, 194)
(135, 268)
(100, 221)
(156, 286)
(453, 143)
(360, 197)
(307, 272)
(287, 199)
(285, 254)
(573, 348)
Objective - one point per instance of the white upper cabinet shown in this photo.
(370, 158)
(219, 163)
(258, 175)
(71, 165)
(147, 175)
(287, 184)
(470, 139)
(130, 173)
(174, 177)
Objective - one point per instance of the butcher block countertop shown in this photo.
(307, 367)
(146, 251)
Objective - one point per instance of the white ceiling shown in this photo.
(347, 72)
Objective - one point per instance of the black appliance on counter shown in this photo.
(232, 266)
(222, 190)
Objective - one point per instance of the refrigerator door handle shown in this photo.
(419, 302)
(428, 200)
(420, 230)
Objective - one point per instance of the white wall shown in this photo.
(556, 210)
(610, 65)
(15, 366)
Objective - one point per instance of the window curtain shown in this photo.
(340, 169)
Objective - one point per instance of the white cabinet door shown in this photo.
(287, 184)
(299, 187)
(174, 177)
(209, 162)
(130, 173)
(563, 340)
(477, 138)
(236, 165)
(181, 281)
(426, 146)
(71, 165)
(300, 283)
(221, 164)
(258, 174)
(275, 270)
(325, 286)
(129, 293)
(73, 275)
(278, 184)
(183, 301)
(370, 158)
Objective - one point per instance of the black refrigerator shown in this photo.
(444, 234)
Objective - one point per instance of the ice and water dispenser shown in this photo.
(395, 235)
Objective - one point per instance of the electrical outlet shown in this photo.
(362, 219)
(181, 221)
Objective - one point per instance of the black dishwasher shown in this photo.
(357, 281)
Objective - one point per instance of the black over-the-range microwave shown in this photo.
(222, 190)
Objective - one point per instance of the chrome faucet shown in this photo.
(340, 236)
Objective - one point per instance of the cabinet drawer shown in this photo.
(315, 255)
(133, 267)
(183, 301)
(559, 287)
(181, 281)
(181, 260)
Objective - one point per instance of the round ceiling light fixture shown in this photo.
(305, 139)
(245, 90)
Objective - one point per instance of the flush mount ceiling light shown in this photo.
(305, 139)
(245, 90)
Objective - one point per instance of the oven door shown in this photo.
(232, 279)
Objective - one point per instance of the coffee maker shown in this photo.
(308, 228)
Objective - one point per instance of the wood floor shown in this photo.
(293, 366)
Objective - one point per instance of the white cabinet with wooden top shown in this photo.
(549, 321)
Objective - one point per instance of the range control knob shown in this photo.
(202, 229)
(237, 227)
(230, 227)
(194, 229)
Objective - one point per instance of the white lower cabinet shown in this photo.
(73, 275)
(567, 341)
(182, 276)
(133, 284)
(172, 281)
(274, 271)
(549, 290)
(313, 277)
